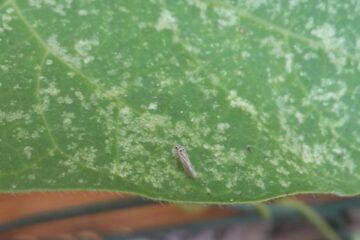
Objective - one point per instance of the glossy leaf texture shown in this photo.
(263, 95)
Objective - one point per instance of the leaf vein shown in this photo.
(83, 76)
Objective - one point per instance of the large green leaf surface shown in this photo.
(263, 95)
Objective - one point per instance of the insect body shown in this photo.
(185, 161)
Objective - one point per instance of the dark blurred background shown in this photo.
(100, 215)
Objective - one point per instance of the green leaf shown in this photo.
(263, 95)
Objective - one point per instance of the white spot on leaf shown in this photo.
(166, 21)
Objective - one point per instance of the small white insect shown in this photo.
(185, 161)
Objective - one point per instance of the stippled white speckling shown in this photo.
(289, 62)
(238, 102)
(202, 6)
(28, 151)
(222, 127)
(62, 52)
(276, 46)
(227, 17)
(166, 21)
(300, 117)
(83, 47)
(6, 19)
(49, 62)
(328, 35)
(68, 117)
(152, 106)
(310, 23)
(282, 170)
(260, 183)
(284, 184)
(83, 12)
(329, 89)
